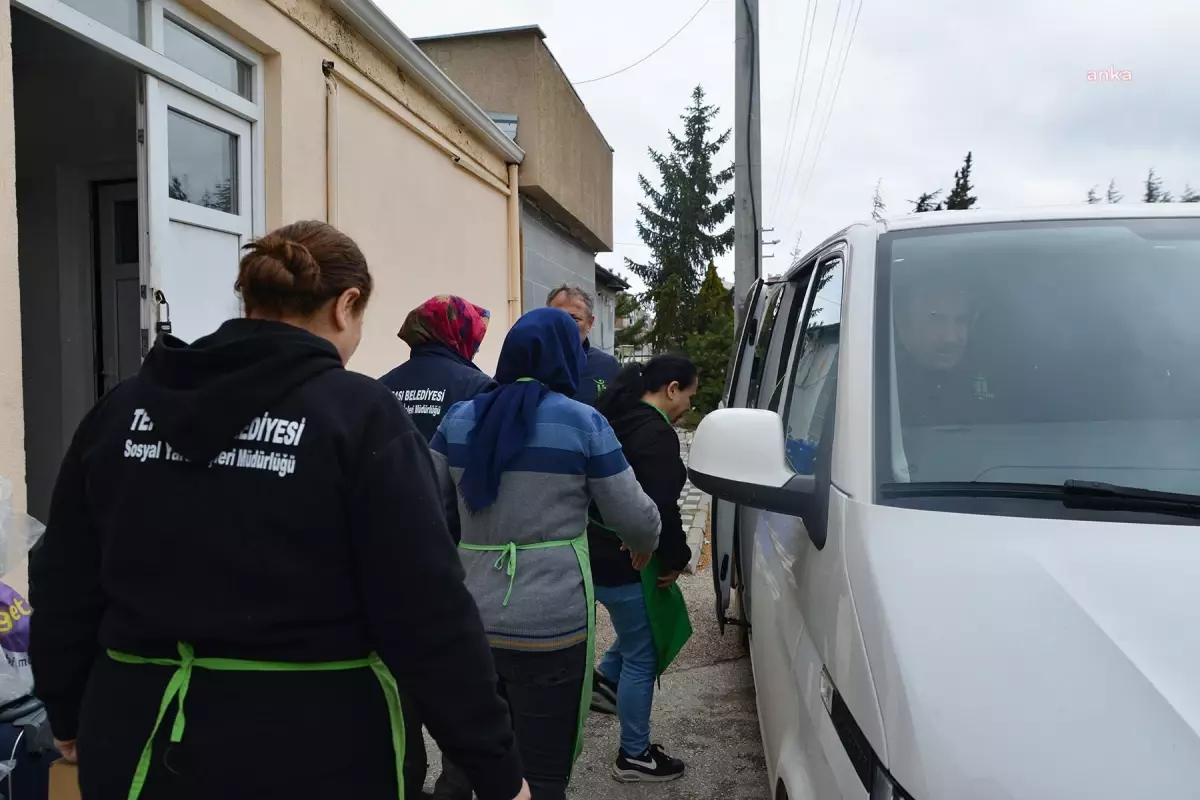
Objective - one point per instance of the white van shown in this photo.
(957, 486)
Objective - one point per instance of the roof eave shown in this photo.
(366, 18)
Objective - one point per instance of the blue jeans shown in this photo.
(631, 663)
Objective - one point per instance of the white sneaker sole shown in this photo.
(636, 776)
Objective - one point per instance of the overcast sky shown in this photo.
(925, 81)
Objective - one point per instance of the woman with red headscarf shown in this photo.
(444, 334)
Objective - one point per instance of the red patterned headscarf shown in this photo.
(447, 320)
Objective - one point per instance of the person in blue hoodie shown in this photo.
(601, 369)
(444, 334)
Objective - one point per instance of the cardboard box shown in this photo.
(64, 781)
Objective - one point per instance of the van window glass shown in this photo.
(779, 355)
(763, 342)
(814, 382)
(1040, 353)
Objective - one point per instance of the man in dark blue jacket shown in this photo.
(444, 334)
(601, 367)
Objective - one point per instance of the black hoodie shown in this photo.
(651, 446)
(248, 495)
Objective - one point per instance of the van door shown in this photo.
(199, 170)
(737, 382)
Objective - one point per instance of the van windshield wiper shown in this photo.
(1072, 494)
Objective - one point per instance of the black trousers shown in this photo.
(543, 693)
(451, 784)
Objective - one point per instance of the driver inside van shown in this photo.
(938, 382)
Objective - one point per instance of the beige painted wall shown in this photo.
(12, 428)
(427, 225)
(568, 166)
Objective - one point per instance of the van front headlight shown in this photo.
(878, 782)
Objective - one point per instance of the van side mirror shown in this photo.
(738, 455)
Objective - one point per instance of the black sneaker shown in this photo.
(653, 766)
(604, 694)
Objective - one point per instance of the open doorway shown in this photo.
(79, 242)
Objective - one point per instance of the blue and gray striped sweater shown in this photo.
(572, 459)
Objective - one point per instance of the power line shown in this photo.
(816, 106)
(651, 53)
(810, 17)
(829, 116)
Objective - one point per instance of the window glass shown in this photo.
(1041, 353)
(189, 49)
(814, 383)
(120, 15)
(763, 341)
(202, 162)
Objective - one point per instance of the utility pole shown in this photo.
(747, 143)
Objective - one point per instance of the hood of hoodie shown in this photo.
(200, 396)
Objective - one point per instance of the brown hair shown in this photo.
(296, 269)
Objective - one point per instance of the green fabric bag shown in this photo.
(669, 622)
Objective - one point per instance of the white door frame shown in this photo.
(148, 57)
(108, 325)
(161, 101)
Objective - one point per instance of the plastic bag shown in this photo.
(19, 532)
(16, 677)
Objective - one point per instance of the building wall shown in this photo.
(431, 217)
(12, 439)
(551, 258)
(427, 226)
(604, 333)
(568, 166)
(404, 199)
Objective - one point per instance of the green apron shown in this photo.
(670, 625)
(177, 688)
(669, 622)
(507, 560)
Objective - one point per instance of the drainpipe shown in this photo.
(331, 144)
(514, 247)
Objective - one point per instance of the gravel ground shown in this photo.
(704, 713)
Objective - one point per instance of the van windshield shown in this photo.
(1040, 353)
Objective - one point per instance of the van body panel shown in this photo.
(1012, 659)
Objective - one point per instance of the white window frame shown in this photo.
(149, 58)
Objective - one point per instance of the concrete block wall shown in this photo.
(552, 257)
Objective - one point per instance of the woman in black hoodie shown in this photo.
(643, 404)
(249, 529)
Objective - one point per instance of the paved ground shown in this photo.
(704, 711)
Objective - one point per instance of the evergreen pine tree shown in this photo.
(1154, 189)
(1112, 195)
(960, 196)
(633, 332)
(925, 202)
(1092, 197)
(878, 209)
(710, 344)
(682, 221)
(1189, 195)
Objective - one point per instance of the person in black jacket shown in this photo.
(444, 334)
(643, 404)
(249, 529)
